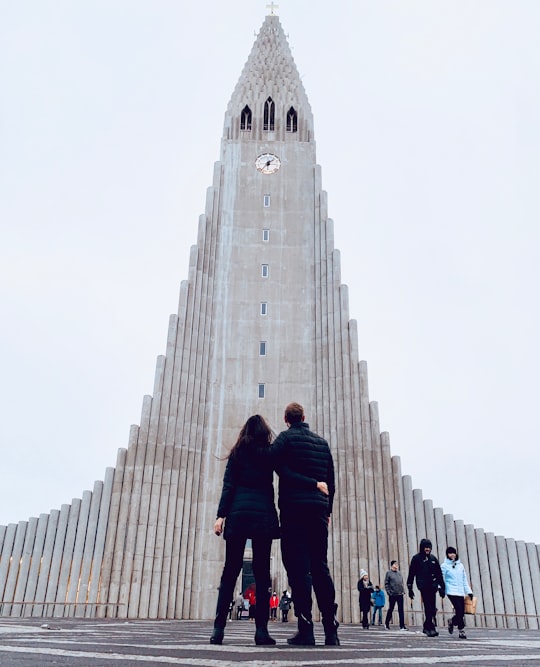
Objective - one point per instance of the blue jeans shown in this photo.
(375, 610)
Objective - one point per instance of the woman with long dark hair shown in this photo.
(247, 511)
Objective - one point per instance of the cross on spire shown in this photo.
(271, 7)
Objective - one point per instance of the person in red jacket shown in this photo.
(274, 604)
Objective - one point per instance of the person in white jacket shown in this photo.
(457, 587)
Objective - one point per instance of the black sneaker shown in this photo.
(462, 634)
(450, 626)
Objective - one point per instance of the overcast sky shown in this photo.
(428, 134)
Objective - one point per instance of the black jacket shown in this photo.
(364, 597)
(300, 455)
(247, 498)
(427, 571)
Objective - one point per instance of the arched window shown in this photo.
(292, 120)
(245, 118)
(269, 111)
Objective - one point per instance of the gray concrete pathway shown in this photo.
(113, 643)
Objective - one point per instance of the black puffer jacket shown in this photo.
(426, 569)
(300, 455)
(247, 498)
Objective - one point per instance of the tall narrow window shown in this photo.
(266, 201)
(266, 235)
(264, 308)
(245, 118)
(265, 271)
(262, 348)
(269, 112)
(261, 390)
(292, 120)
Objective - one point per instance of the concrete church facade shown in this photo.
(263, 320)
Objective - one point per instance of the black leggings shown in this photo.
(458, 602)
(234, 559)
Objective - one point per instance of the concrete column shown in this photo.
(145, 522)
(45, 565)
(81, 593)
(429, 520)
(5, 562)
(117, 533)
(506, 581)
(450, 531)
(108, 589)
(473, 571)
(161, 485)
(35, 563)
(24, 567)
(484, 592)
(419, 516)
(517, 584)
(101, 535)
(526, 585)
(74, 572)
(126, 592)
(492, 584)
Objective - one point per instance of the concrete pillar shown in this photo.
(36, 559)
(24, 567)
(506, 581)
(526, 585)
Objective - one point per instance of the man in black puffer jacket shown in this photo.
(305, 509)
(429, 579)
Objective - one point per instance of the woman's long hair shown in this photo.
(254, 433)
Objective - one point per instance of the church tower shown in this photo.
(263, 320)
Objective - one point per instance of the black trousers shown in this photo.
(365, 617)
(458, 602)
(393, 600)
(430, 608)
(304, 547)
(234, 558)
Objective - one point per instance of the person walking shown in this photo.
(457, 587)
(247, 511)
(365, 589)
(305, 510)
(425, 568)
(395, 589)
(378, 599)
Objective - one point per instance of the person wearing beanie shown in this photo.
(457, 587)
(425, 568)
(365, 589)
(395, 589)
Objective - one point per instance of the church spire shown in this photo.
(269, 85)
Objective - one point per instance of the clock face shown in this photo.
(268, 163)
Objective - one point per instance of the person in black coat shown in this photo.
(247, 511)
(305, 467)
(426, 570)
(365, 589)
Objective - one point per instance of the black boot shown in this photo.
(217, 636)
(262, 638)
(304, 636)
(220, 620)
(330, 625)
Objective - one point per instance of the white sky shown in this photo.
(427, 126)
